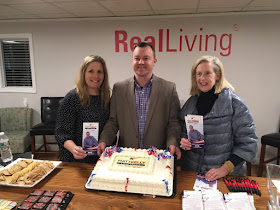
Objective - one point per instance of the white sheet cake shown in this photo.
(131, 170)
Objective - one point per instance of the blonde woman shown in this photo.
(229, 131)
(88, 102)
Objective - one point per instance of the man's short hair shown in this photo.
(145, 44)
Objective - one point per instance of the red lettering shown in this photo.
(215, 41)
(209, 40)
(200, 40)
(160, 37)
(187, 41)
(229, 44)
(180, 41)
(152, 42)
(133, 43)
(119, 41)
(167, 43)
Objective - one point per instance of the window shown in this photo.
(16, 63)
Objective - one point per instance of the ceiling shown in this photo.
(66, 9)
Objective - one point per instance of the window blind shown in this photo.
(16, 60)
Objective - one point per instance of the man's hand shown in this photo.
(176, 150)
(101, 148)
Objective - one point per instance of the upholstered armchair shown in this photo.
(16, 123)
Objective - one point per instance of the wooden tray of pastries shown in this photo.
(26, 172)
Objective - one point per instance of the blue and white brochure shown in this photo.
(194, 126)
(90, 137)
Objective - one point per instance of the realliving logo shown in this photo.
(183, 42)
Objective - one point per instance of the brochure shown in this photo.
(215, 200)
(194, 125)
(201, 183)
(192, 200)
(239, 200)
(90, 137)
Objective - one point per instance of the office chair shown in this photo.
(49, 108)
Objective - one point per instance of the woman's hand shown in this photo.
(185, 143)
(77, 151)
(216, 173)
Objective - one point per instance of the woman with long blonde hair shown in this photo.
(88, 102)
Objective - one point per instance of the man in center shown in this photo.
(144, 108)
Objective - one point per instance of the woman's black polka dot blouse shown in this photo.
(69, 123)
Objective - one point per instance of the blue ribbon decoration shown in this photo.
(166, 183)
(90, 179)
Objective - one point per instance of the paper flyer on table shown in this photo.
(192, 200)
(239, 200)
(213, 200)
(90, 137)
(201, 183)
(194, 126)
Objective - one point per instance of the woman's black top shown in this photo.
(69, 124)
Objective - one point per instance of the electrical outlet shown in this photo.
(25, 103)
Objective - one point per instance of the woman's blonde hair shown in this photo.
(218, 68)
(81, 85)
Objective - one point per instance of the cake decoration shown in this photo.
(164, 155)
(166, 183)
(153, 151)
(127, 180)
(168, 167)
(110, 150)
(89, 181)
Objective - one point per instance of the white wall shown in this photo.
(251, 66)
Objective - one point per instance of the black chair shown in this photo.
(49, 108)
(273, 140)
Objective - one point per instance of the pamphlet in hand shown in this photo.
(90, 137)
(194, 125)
